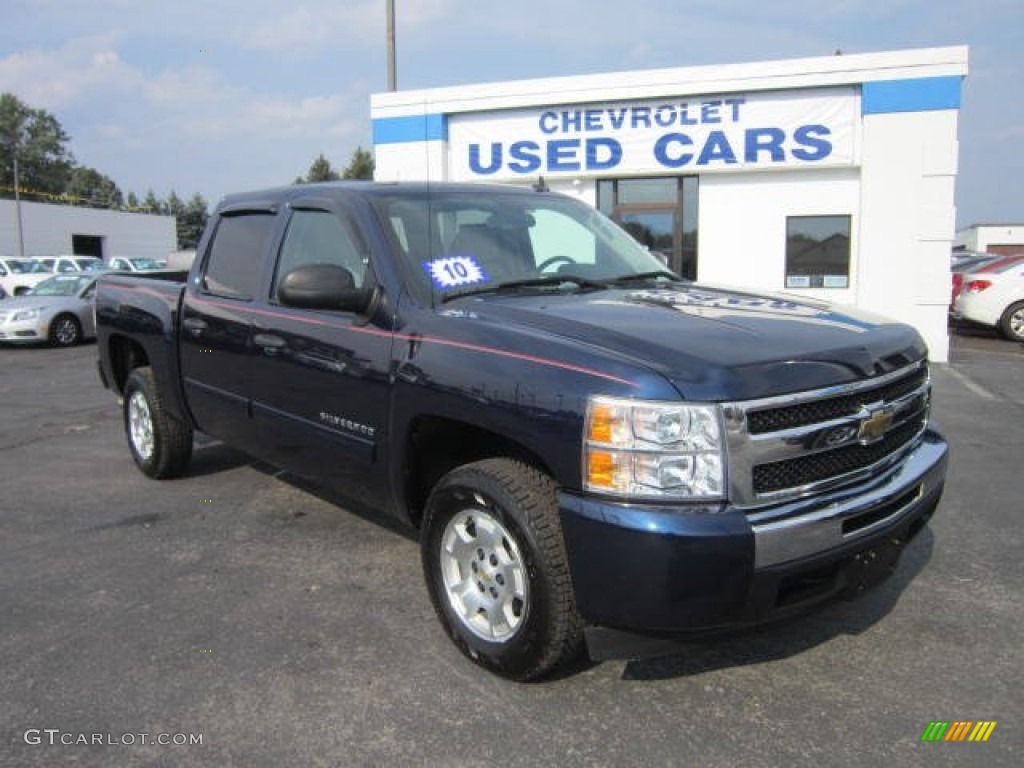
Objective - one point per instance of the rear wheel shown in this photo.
(65, 331)
(1012, 322)
(497, 571)
(160, 444)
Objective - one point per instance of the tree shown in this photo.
(360, 166)
(173, 206)
(320, 170)
(191, 222)
(131, 202)
(88, 187)
(44, 162)
(152, 204)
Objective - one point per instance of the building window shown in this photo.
(660, 213)
(818, 252)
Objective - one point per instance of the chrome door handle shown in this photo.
(269, 342)
(194, 325)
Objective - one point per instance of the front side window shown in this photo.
(818, 252)
(232, 268)
(320, 237)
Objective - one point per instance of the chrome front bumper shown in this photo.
(813, 526)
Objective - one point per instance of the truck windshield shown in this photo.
(466, 242)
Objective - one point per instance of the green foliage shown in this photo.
(88, 187)
(321, 170)
(191, 222)
(361, 165)
(44, 162)
(151, 204)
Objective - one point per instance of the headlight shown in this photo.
(26, 314)
(641, 448)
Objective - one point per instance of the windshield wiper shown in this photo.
(511, 286)
(641, 277)
(548, 280)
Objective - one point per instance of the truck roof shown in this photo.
(329, 188)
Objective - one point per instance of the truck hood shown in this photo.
(714, 343)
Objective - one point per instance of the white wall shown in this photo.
(981, 236)
(47, 230)
(907, 215)
(742, 225)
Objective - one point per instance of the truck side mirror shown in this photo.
(322, 286)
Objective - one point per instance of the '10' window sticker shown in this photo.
(454, 271)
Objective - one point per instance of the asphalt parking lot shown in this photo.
(236, 605)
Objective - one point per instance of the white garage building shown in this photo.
(830, 177)
(49, 230)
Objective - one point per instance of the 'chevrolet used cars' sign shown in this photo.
(815, 127)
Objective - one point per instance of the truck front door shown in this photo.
(320, 378)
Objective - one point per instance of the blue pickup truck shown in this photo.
(595, 452)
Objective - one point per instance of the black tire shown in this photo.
(65, 331)
(519, 504)
(160, 444)
(1012, 322)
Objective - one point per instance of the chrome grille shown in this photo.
(794, 445)
(801, 414)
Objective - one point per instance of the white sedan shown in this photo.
(135, 264)
(18, 276)
(58, 310)
(994, 298)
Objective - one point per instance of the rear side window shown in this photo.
(233, 266)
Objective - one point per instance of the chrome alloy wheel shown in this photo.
(66, 331)
(140, 425)
(484, 575)
(1017, 323)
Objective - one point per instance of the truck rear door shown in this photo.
(216, 323)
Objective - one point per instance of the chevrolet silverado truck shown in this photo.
(594, 451)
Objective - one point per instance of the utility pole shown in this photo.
(392, 75)
(17, 210)
(15, 144)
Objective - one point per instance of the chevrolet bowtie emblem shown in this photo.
(874, 424)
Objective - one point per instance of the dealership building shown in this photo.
(50, 230)
(826, 177)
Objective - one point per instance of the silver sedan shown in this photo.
(58, 310)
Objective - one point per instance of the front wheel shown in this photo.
(160, 444)
(1012, 322)
(496, 568)
(65, 331)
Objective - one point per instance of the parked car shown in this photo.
(994, 296)
(58, 310)
(135, 264)
(18, 276)
(65, 264)
(963, 265)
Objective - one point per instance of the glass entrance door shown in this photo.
(660, 213)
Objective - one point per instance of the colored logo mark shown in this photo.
(958, 730)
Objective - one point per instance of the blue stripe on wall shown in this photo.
(922, 94)
(396, 130)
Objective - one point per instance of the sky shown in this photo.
(218, 96)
